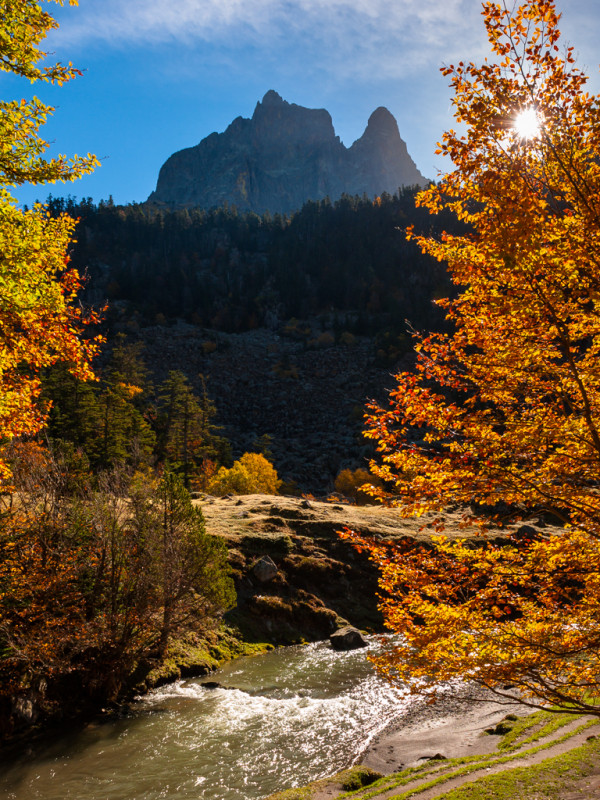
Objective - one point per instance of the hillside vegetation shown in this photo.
(235, 271)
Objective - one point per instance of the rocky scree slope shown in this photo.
(310, 401)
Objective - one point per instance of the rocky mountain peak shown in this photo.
(284, 155)
(272, 98)
(382, 123)
(275, 119)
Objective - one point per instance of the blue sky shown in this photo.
(161, 75)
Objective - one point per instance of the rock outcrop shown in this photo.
(322, 585)
(265, 569)
(283, 156)
(347, 638)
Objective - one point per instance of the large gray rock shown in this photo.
(347, 638)
(283, 156)
(264, 569)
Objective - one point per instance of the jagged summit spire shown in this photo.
(272, 98)
(283, 156)
(271, 101)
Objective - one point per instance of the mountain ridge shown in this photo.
(282, 156)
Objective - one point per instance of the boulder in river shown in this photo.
(347, 638)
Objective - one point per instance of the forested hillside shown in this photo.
(287, 325)
(235, 272)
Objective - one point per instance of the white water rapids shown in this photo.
(286, 718)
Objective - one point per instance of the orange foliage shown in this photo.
(353, 484)
(90, 586)
(40, 322)
(251, 474)
(502, 417)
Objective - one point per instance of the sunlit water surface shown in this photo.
(286, 718)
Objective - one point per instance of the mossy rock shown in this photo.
(193, 655)
(357, 778)
(500, 729)
(349, 780)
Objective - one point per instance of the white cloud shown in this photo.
(390, 37)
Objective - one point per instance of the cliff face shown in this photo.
(283, 156)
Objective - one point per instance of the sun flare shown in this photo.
(527, 124)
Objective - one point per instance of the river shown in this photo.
(285, 718)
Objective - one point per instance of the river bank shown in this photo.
(468, 747)
(313, 585)
(453, 726)
(294, 715)
(296, 581)
(257, 725)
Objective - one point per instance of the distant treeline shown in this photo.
(233, 272)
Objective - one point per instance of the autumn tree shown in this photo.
(350, 483)
(43, 562)
(250, 474)
(93, 587)
(40, 322)
(502, 417)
